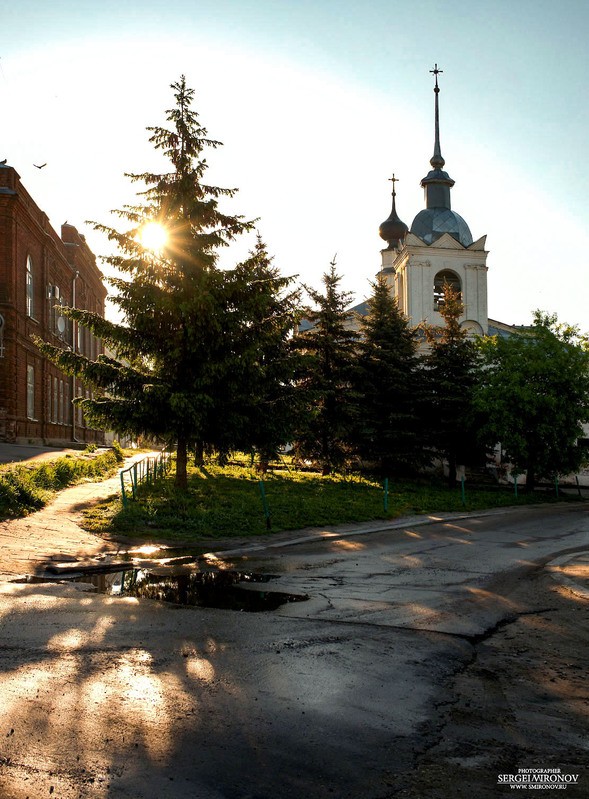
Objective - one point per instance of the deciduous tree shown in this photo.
(535, 396)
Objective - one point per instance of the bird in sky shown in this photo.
(41, 166)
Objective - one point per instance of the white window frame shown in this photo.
(30, 288)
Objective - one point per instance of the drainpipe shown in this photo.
(74, 346)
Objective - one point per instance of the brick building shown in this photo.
(39, 272)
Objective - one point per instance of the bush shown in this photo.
(18, 493)
(24, 489)
(118, 451)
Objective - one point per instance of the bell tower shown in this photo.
(438, 248)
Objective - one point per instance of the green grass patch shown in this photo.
(25, 488)
(226, 502)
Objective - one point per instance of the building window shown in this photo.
(54, 409)
(55, 303)
(445, 278)
(30, 287)
(30, 392)
(61, 416)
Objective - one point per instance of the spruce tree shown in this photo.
(258, 405)
(329, 348)
(188, 339)
(387, 419)
(450, 376)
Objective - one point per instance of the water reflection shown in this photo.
(229, 590)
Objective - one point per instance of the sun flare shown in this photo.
(153, 236)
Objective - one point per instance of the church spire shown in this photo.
(393, 230)
(438, 218)
(437, 183)
(437, 160)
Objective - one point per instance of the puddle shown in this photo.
(214, 590)
(228, 590)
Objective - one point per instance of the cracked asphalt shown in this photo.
(431, 657)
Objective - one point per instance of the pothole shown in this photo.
(224, 589)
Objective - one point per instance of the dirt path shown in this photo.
(54, 530)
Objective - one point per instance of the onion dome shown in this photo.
(393, 230)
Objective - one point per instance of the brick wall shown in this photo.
(39, 272)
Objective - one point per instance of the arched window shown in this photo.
(445, 278)
(30, 287)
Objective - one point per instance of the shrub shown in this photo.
(24, 489)
(118, 451)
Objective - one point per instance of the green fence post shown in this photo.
(385, 500)
(123, 495)
(556, 485)
(265, 504)
(515, 476)
(578, 486)
(462, 492)
(134, 479)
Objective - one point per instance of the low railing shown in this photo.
(147, 470)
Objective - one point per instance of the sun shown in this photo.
(153, 236)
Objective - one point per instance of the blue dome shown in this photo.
(432, 223)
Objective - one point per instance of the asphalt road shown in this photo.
(352, 694)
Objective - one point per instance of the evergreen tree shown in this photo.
(450, 376)
(326, 383)
(189, 334)
(259, 399)
(534, 394)
(388, 385)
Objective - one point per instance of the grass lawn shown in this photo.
(226, 502)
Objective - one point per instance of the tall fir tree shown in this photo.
(450, 376)
(329, 349)
(387, 427)
(259, 399)
(189, 327)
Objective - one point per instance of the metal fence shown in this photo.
(147, 470)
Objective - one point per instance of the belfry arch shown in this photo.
(446, 277)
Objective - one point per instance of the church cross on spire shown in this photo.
(437, 160)
(435, 71)
(393, 181)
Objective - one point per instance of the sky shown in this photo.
(317, 103)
